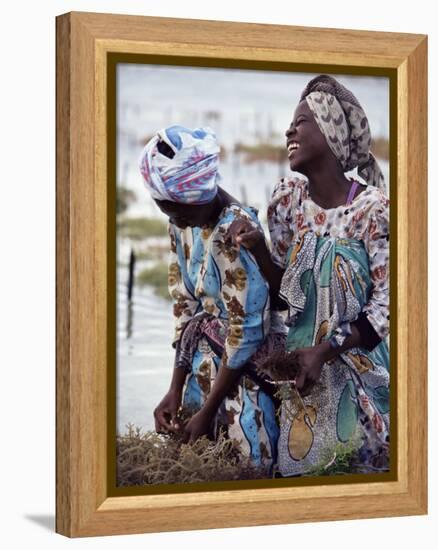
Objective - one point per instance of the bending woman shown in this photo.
(221, 299)
(330, 266)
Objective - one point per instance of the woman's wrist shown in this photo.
(178, 380)
(225, 380)
(208, 410)
(328, 351)
(259, 249)
(176, 389)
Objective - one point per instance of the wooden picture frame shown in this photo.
(85, 44)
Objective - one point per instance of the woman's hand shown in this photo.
(310, 361)
(165, 414)
(197, 426)
(243, 232)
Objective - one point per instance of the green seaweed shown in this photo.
(138, 229)
(156, 277)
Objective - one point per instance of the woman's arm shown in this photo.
(165, 414)
(245, 296)
(373, 321)
(184, 308)
(243, 233)
(201, 421)
(273, 263)
(376, 241)
(312, 359)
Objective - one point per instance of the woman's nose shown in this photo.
(290, 130)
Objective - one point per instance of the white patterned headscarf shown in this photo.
(191, 176)
(345, 126)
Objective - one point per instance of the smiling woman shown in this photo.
(305, 142)
(330, 266)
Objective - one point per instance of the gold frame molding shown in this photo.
(87, 43)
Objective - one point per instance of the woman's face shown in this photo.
(186, 215)
(305, 143)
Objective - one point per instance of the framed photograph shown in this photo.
(241, 331)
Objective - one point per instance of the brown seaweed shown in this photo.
(150, 458)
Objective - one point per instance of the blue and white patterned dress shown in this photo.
(209, 276)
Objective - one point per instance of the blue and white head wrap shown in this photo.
(191, 176)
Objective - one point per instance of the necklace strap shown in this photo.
(354, 186)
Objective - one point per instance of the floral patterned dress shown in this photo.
(221, 296)
(336, 265)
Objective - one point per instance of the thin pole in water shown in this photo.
(131, 274)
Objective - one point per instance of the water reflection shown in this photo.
(144, 352)
(129, 319)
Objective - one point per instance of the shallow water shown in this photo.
(144, 353)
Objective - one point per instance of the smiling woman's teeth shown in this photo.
(292, 147)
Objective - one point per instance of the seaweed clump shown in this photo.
(282, 368)
(150, 458)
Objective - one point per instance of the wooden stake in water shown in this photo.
(131, 274)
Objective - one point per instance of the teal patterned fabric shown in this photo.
(326, 285)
